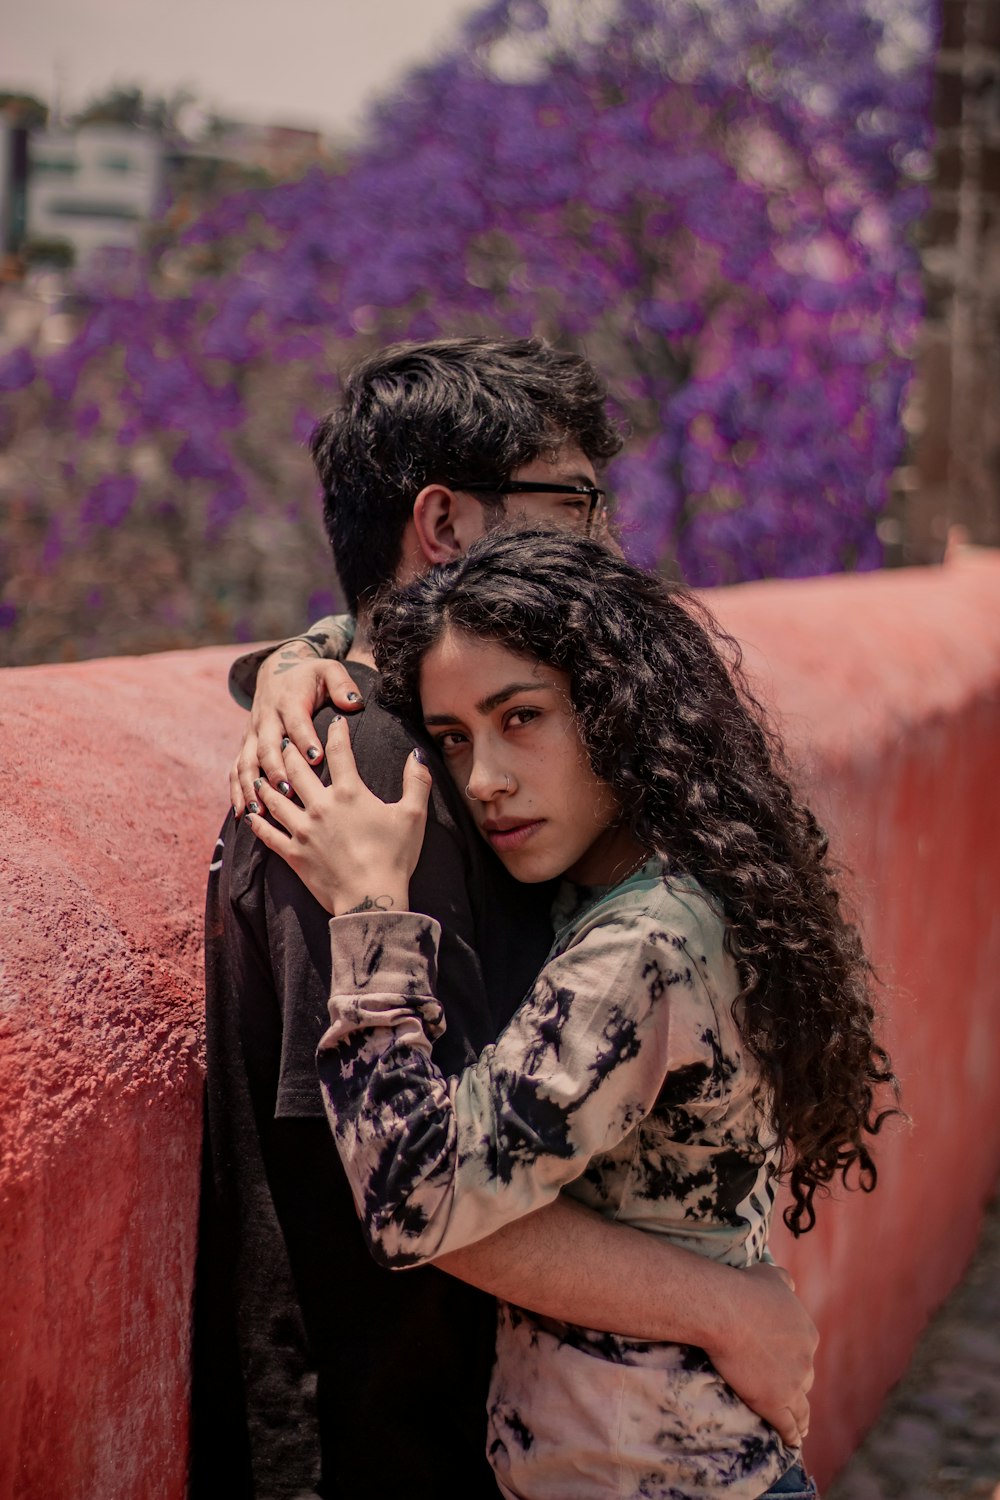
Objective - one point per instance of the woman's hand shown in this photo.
(291, 685)
(351, 849)
(767, 1352)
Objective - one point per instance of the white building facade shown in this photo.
(93, 187)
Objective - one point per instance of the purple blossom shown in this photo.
(54, 546)
(17, 370)
(228, 500)
(110, 501)
(201, 456)
(302, 427)
(712, 201)
(86, 418)
(320, 602)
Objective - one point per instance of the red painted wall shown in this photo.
(889, 692)
(112, 792)
(112, 784)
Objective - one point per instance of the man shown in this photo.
(431, 445)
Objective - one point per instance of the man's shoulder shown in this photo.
(381, 741)
(378, 733)
(233, 870)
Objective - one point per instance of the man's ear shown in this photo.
(445, 523)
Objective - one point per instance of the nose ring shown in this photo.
(473, 798)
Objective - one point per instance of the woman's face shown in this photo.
(506, 729)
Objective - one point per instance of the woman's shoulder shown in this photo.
(654, 900)
(656, 931)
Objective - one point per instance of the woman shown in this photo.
(702, 1024)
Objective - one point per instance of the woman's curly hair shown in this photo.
(669, 723)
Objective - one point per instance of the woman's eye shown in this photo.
(518, 717)
(451, 742)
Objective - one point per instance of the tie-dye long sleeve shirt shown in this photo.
(621, 1079)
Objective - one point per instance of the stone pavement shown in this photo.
(938, 1435)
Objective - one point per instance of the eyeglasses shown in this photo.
(598, 508)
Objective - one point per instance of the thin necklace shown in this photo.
(642, 860)
(565, 912)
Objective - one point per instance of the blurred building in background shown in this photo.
(277, 151)
(103, 180)
(229, 156)
(13, 186)
(93, 187)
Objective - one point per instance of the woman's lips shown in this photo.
(510, 835)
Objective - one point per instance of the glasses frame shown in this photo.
(596, 515)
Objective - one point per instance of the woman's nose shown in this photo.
(487, 783)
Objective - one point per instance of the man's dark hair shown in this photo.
(469, 410)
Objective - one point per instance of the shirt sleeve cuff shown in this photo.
(330, 637)
(385, 976)
(243, 674)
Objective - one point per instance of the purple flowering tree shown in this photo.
(713, 198)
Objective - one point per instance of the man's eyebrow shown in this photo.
(583, 480)
(493, 700)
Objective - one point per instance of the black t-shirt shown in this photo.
(285, 1287)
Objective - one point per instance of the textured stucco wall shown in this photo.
(112, 792)
(112, 786)
(888, 690)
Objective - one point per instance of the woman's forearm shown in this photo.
(438, 1164)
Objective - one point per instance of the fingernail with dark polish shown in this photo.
(284, 788)
(336, 718)
(285, 743)
(247, 818)
(354, 697)
(419, 756)
(252, 807)
(258, 783)
(312, 753)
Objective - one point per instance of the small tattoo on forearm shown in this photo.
(371, 903)
(287, 652)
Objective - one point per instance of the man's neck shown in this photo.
(360, 648)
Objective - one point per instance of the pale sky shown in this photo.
(294, 62)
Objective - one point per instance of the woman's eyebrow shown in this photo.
(493, 700)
